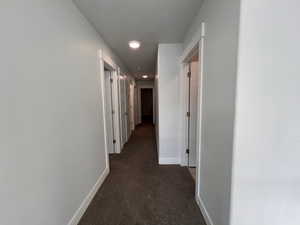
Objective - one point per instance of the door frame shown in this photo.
(196, 45)
(102, 96)
(106, 61)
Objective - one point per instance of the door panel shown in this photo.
(128, 109)
(123, 109)
(131, 107)
(193, 113)
(109, 116)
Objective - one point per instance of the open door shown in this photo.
(109, 112)
(128, 110)
(131, 106)
(123, 109)
(192, 111)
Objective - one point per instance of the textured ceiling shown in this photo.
(149, 21)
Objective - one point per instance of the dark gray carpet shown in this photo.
(140, 192)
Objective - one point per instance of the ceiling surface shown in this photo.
(148, 21)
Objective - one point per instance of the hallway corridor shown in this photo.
(140, 192)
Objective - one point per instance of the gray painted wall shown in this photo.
(219, 81)
(266, 180)
(52, 142)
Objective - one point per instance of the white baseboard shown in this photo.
(168, 161)
(204, 211)
(86, 202)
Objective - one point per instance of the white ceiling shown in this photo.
(149, 21)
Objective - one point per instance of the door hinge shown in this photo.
(189, 74)
(188, 114)
(114, 141)
(187, 151)
(111, 80)
(113, 112)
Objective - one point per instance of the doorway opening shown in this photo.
(147, 105)
(191, 86)
(191, 89)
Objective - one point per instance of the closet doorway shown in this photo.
(147, 105)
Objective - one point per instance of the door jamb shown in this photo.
(106, 61)
(196, 45)
(102, 95)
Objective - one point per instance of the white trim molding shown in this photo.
(169, 161)
(204, 211)
(86, 202)
(106, 61)
(102, 97)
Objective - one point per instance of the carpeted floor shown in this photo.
(140, 192)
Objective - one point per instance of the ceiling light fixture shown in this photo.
(145, 76)
(134, 44)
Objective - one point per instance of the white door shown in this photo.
(120, 113)
(125, 109)
(192, 113)
(116, 111)
(131, 107)
(128, 109)
(109, 113)
(123, 97)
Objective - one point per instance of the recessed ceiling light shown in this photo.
(134, 44)
(145, 76)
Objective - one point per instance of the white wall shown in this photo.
(52, 142)
(168, 102)
(219, 80)
(156, 91)
(266, 180)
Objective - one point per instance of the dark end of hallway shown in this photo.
(138, 191)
